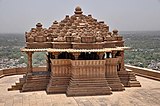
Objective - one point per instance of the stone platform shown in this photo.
(147, 95)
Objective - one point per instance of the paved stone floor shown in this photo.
(147, 95)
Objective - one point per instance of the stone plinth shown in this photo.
(35, 81)
(60, 75)
(88, 78)
(112, 76)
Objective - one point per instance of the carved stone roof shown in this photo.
(79, 25)
(73, 31)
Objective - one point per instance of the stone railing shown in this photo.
(18, 71)
(148, 73)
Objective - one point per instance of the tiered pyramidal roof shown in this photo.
(77, 28)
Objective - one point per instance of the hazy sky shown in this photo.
(18, 16)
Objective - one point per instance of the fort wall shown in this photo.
(144, 72)
(19, 71)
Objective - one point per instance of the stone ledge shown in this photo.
(19, 71)
(144, 72)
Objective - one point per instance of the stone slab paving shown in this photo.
(147, 95)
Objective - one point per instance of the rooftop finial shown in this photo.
(39, 25)
(78, 10)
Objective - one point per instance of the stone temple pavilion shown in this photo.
(83, 58)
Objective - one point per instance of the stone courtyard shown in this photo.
(147, 95)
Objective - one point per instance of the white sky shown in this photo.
(18, 16)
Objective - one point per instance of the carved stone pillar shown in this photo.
(29, 64)
(76, 55)
(122, 61)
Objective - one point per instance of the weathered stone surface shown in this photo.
(147, 95)
(77, 28)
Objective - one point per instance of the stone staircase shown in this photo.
(34, 81)
(18, 85)
(57, 85)
(88, 87)
(128, 79)
(115, 83)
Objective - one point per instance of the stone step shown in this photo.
(88, 86)
(57, 84)
(36, 81)
(84, 91)
(56, 89)
(128, 79)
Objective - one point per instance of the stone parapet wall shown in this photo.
(138, 71)
(18, 71)
(153, 74)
